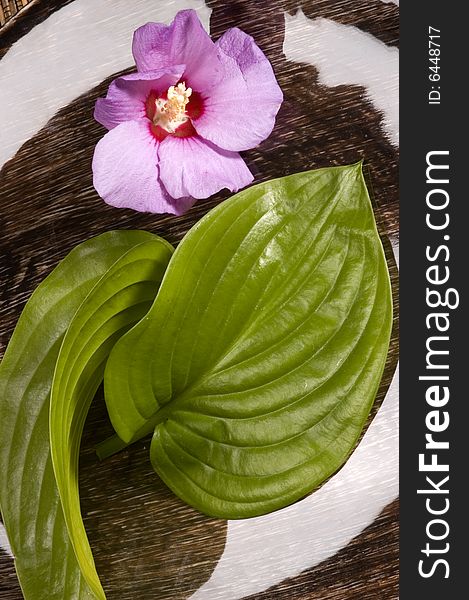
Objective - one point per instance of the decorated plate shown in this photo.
(337, 65)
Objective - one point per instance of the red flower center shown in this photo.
(171, 112)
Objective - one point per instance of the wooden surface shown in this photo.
(10, 8)
(146, 542)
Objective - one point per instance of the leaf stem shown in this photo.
(110, 446)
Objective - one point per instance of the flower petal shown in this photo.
(185, 41)
(239, 112)
(194, 167)
(125, 171)
(125, 100)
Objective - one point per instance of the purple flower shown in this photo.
(177, 125)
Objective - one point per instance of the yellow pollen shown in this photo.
(171, 113)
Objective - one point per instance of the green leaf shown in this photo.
(31, 510)
(262, 354)
(119, 300)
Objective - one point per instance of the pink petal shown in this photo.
(125, 171)
(125, 100)
(185, 41)
(194, 167)
(239, 112)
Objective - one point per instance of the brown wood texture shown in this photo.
(146, 542)
(10, 8)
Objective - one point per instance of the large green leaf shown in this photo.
(120, 299)
(29, 500)
(262, 354)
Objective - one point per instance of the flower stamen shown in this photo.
(170, 112)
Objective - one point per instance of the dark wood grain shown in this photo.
(146, 542)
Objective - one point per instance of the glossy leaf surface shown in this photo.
(262, 354)
(29, 499)
(119, 300)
